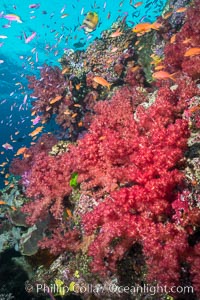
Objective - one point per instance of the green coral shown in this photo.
(73, 181)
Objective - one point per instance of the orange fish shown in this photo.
(7, 175)
(134, 69)
(27, 155)
(157, 68)
(20, 151)
(78, 86)
(74, 115)
(116, 33)
(80, 124)
(33, 113)
(77, 105)
(36, 131)
(194, 109)
(167, 15)
(173, 38)
(3, 164)
(181, 9)
(186, 41)
(13, 208)
(163, 75)
(57, 98)
(69, 213)
(114, 49)
(48, 108)
(65, 70)
(138, 4)
(2, 202)
(192, 52)
(102, 138)
(102, 81)
(6, 182)
(146, 27)
(64, 16)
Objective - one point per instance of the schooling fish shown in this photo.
(30, 38)
(36, 5)
(7, 146)
(12, 17)
(90, 22)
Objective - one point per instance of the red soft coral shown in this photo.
(47, 183)
(141, 154)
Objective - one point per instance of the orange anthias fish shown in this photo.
(54, 100)
(186, 41)
(146, 27)
(116, 33)
(65, 70)
(181, 9)
(138, 4)
(69, 213)
(163, 75)
(36, 131)
(2, 202)
(173, 38)
(192, 52)
(102, 81)
(167, 15)
(134, 69)
(21, 151)
(160, 67)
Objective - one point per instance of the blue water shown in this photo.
(57, 26)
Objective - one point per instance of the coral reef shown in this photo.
(119, 201)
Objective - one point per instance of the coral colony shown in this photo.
(118, 194)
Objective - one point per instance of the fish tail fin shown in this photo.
(156, 25)
(109, 86)
(173, 76)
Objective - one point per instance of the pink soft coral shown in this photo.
(48, 183)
